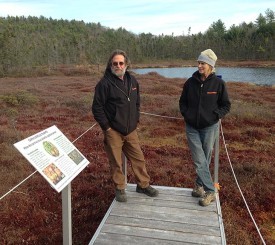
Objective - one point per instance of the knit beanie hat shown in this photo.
(208, 56)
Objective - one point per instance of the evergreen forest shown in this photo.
(30, 42)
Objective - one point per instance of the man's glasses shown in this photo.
(118, 63)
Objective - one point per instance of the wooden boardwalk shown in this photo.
(174, 217)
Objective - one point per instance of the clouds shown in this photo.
(23, 8)
(143, 16)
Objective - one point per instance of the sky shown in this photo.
(168, 17)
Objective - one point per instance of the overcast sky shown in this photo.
(144, 16)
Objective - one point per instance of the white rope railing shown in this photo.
(258, 230)
(156, 115)
(83, 133)
(18, 185)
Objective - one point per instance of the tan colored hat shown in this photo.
(208, 56)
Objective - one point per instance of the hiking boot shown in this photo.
(121, 195)
(149, 191)
(207, 198)
(198, 191)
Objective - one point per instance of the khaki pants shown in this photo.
(116, 143)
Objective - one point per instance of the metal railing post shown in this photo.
(216, 158)
(124, 167)
(67, 215)
(217, 153)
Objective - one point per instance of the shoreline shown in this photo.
(98, 69)
(193, 63)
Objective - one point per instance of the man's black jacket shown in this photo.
(115, 105)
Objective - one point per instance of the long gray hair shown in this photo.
(118, 52)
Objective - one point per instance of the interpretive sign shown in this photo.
(54, 156)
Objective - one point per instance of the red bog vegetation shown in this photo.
(32, 213)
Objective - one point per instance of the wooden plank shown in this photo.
(115, 239)
(174, 217)
(164, 225)
(161, 234)
(166, 213)
(161, 200)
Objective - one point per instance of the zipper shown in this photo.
(129, 92)
(199, 105)
(128, 98)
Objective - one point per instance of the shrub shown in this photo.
(20, 98)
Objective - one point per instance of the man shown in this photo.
(116, 108)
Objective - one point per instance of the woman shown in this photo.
(203, 102)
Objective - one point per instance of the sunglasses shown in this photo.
(118, 63)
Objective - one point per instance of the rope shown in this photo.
(240, 189)
(83, 133)
(37, 171)
(156, 115)
(18, 185)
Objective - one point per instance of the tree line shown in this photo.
(27, 42)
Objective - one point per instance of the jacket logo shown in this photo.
(134, 88)
(211, 92)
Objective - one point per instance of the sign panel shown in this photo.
(54, 156)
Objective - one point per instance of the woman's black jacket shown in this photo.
(203, 103)
(115, 105)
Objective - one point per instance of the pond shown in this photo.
(260, 76)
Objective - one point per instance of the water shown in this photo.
(260, 76)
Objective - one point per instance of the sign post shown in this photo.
(59, 162)
(67, 215)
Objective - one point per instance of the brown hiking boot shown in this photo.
(149, 191)
(207, 198)
(198, 191)
(121, 195)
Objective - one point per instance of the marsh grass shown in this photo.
(250, 110)
(32, 214)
